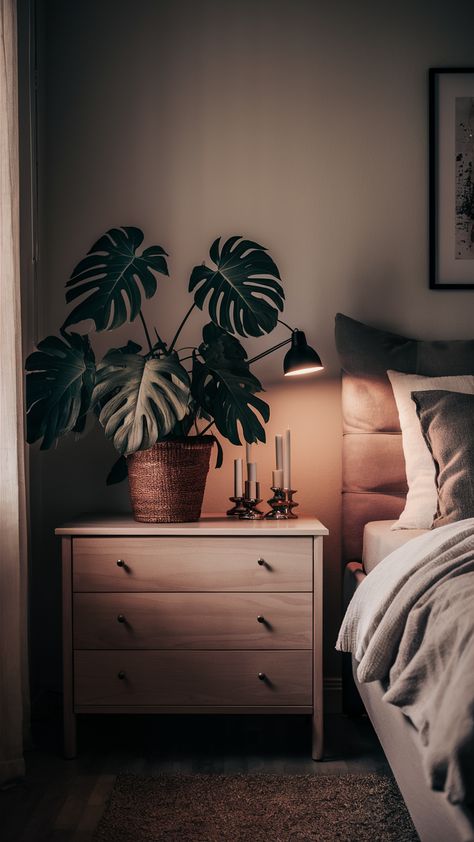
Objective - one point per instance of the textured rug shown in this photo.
(255, 808)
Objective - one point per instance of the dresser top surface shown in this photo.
(209, 524)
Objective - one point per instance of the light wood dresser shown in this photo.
(217, 616)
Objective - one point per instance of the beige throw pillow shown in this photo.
(422, 498)
(447, 422)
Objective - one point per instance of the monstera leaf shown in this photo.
(225, 389)
(141, 399)
(244, 294)
(59, 384)
(109, 274)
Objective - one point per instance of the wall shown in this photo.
(302, 124)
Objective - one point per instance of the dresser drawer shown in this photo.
(192, 621)
(192, 564)
(192, 678)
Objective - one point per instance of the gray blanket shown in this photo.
(421, 637)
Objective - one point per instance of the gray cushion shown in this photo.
(447, 422)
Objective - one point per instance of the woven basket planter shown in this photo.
(167, 481)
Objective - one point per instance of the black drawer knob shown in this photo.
(120, 562)
(121, 618)
(262, 676)
(261, 562)
(260, 619)
(121, 675)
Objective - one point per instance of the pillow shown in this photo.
(422, 497)
(365, 350)
(370, 419)
(447, 421)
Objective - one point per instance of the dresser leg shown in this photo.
(317, 722)
(317, 734)
(70, 742)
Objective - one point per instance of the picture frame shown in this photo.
(451, 178)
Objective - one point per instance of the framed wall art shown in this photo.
(451, 138)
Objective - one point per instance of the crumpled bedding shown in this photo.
(411, 625)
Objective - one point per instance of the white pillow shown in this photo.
(422, 498)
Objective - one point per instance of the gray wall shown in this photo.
(300, 124)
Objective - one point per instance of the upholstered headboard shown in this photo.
(373, 472)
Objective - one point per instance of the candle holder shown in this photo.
(238, 509)
(250, 505)
(250, 510)
(282, 504)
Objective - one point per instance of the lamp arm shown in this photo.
(269, 351)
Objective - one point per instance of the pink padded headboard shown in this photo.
(374, 480)
(373, 467)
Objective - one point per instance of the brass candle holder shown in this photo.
(282, 504)
(238, 508)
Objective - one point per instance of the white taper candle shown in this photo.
(248, 452)
(251, 489)
(238, 478)
(279, 452)
(287, 460)
(277, 478)
(252, 471)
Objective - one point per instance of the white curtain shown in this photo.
(14, 711)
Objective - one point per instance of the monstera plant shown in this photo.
(160, 392)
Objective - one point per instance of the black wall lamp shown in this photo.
(300, 359)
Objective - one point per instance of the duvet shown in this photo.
(410, 625)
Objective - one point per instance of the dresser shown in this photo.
(217, 616)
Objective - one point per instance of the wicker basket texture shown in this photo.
(167, 481)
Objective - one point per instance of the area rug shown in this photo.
(255, 808)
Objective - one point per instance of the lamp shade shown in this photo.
(301, 358)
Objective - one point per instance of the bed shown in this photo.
(374, 493)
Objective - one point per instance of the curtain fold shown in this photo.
(14, 707)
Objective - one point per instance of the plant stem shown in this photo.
(211, 424)
(150, 346)
(181, 327)
(159, 339)
(281, 322)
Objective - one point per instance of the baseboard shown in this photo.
(332, 687)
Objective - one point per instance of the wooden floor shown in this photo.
(63, 799)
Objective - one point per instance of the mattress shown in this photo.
(380, 540)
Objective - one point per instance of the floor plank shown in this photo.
(62, 800)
